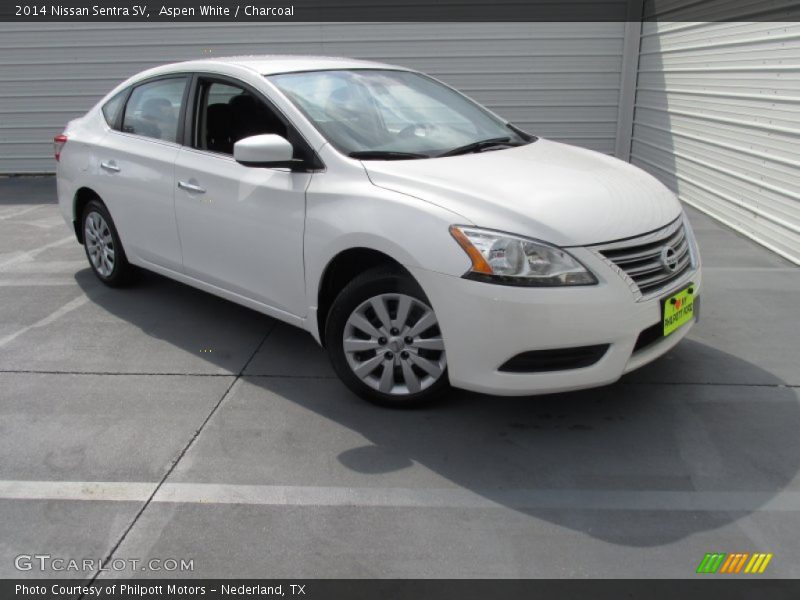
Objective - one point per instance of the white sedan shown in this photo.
(422, 239)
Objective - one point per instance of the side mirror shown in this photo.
(266, 150)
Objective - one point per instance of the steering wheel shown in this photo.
(410, 130)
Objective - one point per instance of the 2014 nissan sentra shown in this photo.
(422, 239)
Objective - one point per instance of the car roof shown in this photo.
(270, 64)
(264, 64)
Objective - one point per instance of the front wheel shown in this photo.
(384, 340)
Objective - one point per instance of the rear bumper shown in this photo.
(484, 325)
(65, 191)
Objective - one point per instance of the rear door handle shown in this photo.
(110, 165)
(191, 187)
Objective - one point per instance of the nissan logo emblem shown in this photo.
(669, 258)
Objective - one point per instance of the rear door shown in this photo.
(136, 169)
(241, 228)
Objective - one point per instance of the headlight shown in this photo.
(513, 260)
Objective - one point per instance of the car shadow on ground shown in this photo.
(643, 434)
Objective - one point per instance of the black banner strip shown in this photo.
(708, 587)
(398, 10)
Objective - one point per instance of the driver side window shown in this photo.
(227, 113)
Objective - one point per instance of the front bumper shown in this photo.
(484, 325)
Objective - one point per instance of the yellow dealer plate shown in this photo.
(678, 309)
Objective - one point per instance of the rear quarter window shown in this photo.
(112, 107)
(153, 109)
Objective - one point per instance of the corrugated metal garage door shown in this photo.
(717, 118)
(557, 80)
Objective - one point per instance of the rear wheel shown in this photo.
(102, 244)
(384, 340)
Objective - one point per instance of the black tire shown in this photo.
(121, 272)
(372, 283)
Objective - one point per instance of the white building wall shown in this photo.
(559, 80)
(717, 118)
(716, 114)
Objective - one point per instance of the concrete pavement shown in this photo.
(160, 422)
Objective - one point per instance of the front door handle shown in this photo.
(191, 187)
(110, 165)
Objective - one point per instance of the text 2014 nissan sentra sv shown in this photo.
(422, 239)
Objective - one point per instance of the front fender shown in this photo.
(341, 215)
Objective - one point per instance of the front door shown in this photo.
(241, 228)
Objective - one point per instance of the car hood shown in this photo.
(546, 190)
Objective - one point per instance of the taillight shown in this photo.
(58, 145)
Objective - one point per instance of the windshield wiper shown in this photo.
(385, 155)
(475, 146)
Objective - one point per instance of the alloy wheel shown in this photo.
(392, 342)
(99, 243)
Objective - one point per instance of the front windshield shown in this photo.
(370, 113)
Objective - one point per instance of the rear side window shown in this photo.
(112, 107)
(153, 109)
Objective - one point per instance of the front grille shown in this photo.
(654, 260)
